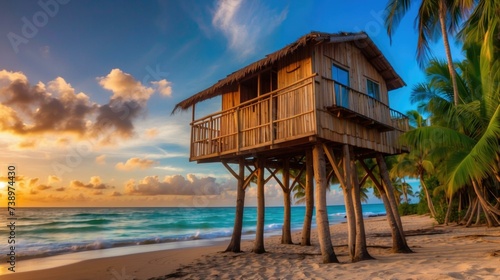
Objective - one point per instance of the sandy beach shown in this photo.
(441, 252)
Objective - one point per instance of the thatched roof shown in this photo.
(361, 41)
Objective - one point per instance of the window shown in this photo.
(372, 89)
(341, 78)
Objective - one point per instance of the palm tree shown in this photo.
(472, 128)
(433, 16)
(417, 163)
(483, 26)
(327, 252)
(372, 178)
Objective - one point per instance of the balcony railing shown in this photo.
(278, 116)
(364, 108)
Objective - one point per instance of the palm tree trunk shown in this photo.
(306, 228)
(430, 205)
(349, 206)
(234, 245)
(448, 211)
(325, 241)
(361, 250)
(472, 212)
(478, 216)
(384, 174)
(488, 209)
(259, 232)
(442, 21)
(286, 236)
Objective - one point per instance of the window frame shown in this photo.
(377, 94)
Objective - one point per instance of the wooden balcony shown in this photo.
(283, 115)
(364, 109)
(287, 115)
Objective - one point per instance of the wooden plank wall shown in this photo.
(341, 130)
(294, 68)
(230, 99)
(348, 56)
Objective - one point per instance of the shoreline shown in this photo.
(444, 252)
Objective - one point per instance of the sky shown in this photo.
(87, 89)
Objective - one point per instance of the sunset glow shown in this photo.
(86, 95)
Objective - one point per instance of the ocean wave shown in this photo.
(66, 230)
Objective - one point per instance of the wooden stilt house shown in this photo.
(323, 86)
(323, 89)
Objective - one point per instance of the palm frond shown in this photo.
(394, 12)
(476, 164)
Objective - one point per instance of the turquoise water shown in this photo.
(44, 232)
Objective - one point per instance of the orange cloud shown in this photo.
(95, 184)
(135, 163)
(56, 107)
(53, 179)
(164, 87)
(124, 86)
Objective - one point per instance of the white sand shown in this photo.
(454, 253)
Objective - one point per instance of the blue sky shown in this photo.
(98, 55)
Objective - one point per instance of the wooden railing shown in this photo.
(278, 116)
(366, 106)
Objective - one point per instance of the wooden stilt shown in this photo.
(259, 232)
(286, 237)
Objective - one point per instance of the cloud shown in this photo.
(101, 160)
(245, 23)
(164, 87)
(56, 107)
(95, 184)
(53, 179)
(43, 187)
(174, 185)
(170, 168)
(124, 86)
(116, 119)
(135, 163)
(152, 133)
(28, 109)
(115, 193)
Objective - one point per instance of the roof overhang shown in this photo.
(361, 40)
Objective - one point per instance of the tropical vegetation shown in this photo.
(455, 155)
